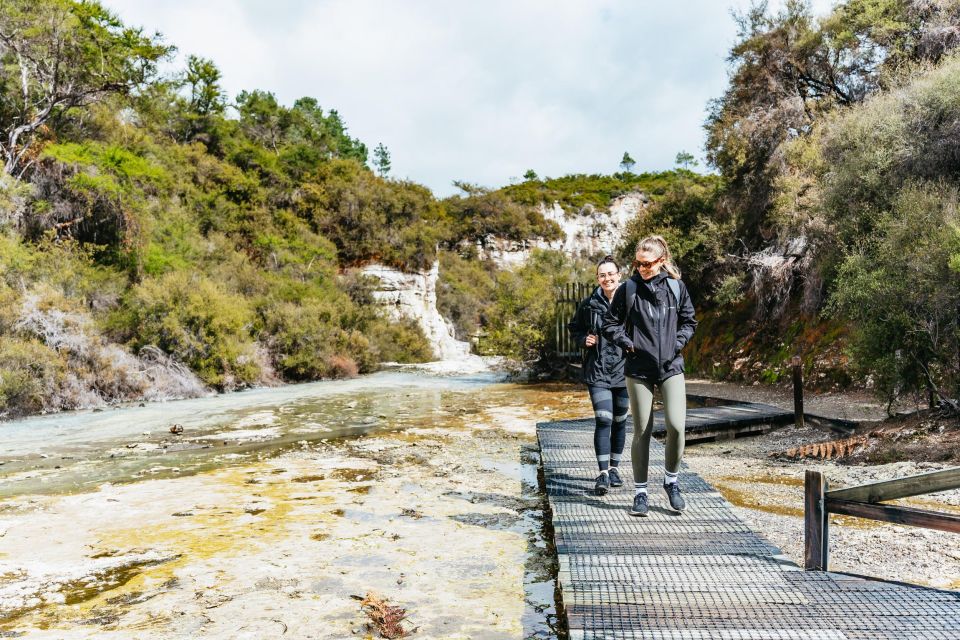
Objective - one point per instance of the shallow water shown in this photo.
(80, 450)
(351, 478)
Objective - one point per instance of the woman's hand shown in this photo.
(590, 341)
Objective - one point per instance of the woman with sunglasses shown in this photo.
(603, 375)
(652, 318)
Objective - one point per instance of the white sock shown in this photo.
(670, 478)
(639, 487)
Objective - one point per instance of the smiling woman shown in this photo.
(603, 375)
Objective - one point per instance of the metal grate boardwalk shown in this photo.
(726, 421)
(703, 575)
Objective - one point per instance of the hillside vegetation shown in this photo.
(832, 231)
(159, 237)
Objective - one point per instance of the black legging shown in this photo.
(610, 407)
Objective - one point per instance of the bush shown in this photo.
(523, 314)
(307, 342)
(685, 216)
(30, 375)
(901, 291)
(574, 192)
(372, 219)
(196, 321)
(465, 292)
(401, 341)
(873, 150)
(481, 213)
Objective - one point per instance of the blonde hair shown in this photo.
(658, 246)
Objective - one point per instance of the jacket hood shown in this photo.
(597, 297)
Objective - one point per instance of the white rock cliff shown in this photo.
(414, 296)
(588, 232)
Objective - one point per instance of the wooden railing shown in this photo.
(566, 299)
(863, 502)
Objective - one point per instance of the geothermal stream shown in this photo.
(275, 510)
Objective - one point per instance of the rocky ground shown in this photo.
(443, 522)
(766, 487)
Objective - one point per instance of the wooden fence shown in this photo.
(567, 297)
(863, 501)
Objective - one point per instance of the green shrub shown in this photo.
(307, 342)
(573, 192)
(465, 292)
(401, 341)
(481, 213)
(30, 375)
(373, 219)
(901, 291)
(523, 315)
(685, 215)
(195, 320)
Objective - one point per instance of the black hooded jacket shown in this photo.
(656, 328)
(603, 362)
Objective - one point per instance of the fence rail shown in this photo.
(863, 501)
(567, 297)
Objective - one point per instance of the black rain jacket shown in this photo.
(603, 362)
(656, 328)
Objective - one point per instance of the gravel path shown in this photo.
(767, 493)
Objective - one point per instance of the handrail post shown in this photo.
(816, 522)
(798, 391)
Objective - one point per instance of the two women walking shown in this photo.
(648, 319)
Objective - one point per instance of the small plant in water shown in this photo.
(385, 618)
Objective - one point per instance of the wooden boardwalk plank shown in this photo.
(703, 575)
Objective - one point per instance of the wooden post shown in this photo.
(816, 522)
(798, 391)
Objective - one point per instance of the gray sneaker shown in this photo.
(603, 483)
(615, 479)
(640, 506)
(676, 500)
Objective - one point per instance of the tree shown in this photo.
(901, 292)
(686, 160)
(381, 160)
(262, 118)
(56, 56)
(206, 95)
(626, 164)
(530, 175)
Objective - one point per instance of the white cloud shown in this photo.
(478, 91)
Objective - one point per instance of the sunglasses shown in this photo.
(647, 265)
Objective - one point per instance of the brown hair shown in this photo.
(658, 246)
(608, 258)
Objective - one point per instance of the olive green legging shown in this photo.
(674, 392)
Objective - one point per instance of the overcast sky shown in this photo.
(478, 91)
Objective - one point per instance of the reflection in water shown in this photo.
(78, 451)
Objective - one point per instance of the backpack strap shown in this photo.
(674, 287)
(631, 285)
(631, 294)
